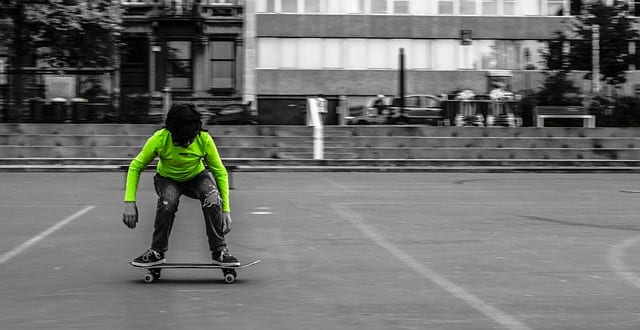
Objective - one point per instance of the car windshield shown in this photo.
(431, 103)
(412, 101)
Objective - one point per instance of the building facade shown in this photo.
(348, 49)
(191, 49)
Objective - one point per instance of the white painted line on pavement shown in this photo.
(339, 185)
(502, 318)
(616, 260)
(25, 245)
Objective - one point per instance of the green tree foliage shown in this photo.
(616, 30)
(61, 33)
(558, 89)
(64, 33)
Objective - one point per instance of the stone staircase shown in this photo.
(386, 148)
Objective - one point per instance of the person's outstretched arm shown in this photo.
(137, 165)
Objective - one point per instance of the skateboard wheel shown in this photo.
(229, 278)
(149, 278)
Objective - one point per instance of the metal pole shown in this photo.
(166, 102)
(595, 58)
(401, 82)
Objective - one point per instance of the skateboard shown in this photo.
(229, 272)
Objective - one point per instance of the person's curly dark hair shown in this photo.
(184, 122)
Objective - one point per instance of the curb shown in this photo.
(330, 168)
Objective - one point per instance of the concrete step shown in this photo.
(333, 141)
(384, 147)
(273, 130)
(120, 163)
(452, 131)
(147, 129)
(333, 152)
(328, 154)
(71, 140)
(130, 151)
(487, 142)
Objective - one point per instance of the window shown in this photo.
(421, 7)
(355, 54)
(134, 65)
(509, 7)
(395, 45)
(531, 54)
(334, 6)
(467, 56)
(555, 7)
(333, 53)
(134, 51)
(488, 55)
(313, 54)
(383, 54)
(378, 6)
(223, 62)
(531, 7)
(445, 54)
(401, 7)
(420, 55)
(635, 57)
(378, 54)
(179, 69)
(289, 6)
(266, 6)
(271, 6)
(490, 7)
(311, 6)
(508, 54)
(289, 52)
(467, 7)
(412, 101)
(575, 7)
(354, 6)
(445, 7)
(636, 8)
(268, 52)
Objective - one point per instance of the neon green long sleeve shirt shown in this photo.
(178, 163)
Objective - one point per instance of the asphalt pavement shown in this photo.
(339, 250)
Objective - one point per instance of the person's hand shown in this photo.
(130, 215)
(226, 222)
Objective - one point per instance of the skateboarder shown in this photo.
(181, 146)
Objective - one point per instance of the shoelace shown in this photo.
(223, 254)
(149, 253)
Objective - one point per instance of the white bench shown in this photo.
(587, 120)
(540, 113)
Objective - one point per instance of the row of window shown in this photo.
(179, 61)
(414, 7)
(179, 2)
(434, 7)
(420, 54)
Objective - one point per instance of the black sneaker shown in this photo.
(149, 258)
(223, 258)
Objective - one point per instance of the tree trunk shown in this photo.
(18, 62)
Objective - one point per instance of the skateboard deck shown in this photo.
(229, 272)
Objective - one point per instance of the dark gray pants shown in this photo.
(169, 192)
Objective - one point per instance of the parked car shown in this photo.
(418, 109)
(233, 114)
